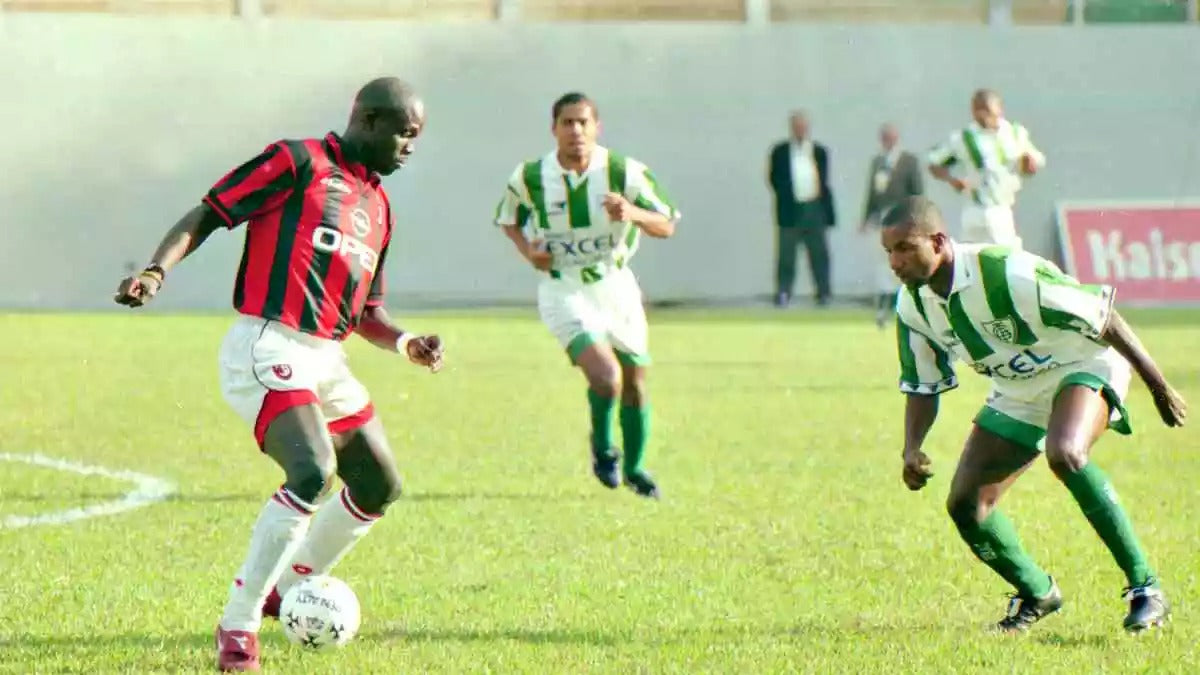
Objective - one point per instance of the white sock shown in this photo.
(278, 531)
(336, 528)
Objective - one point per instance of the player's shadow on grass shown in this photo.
(91, 644)
(526, 636)
(654, 636)
(849, 629)
(492, 496)
(810, 630)
(407, 497)
(200, 638)
(63, 496)
(218, 498)
(1060, 640)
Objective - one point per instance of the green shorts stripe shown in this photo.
(632, 360)
(1034, 437)
(1121, 424)
(581, 342)
(1010, 428)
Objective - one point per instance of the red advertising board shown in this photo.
(1149, 251)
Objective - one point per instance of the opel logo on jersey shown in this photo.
(361, 222)
(335, 242)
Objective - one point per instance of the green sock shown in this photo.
(995, 542)
(602, 418)
(1096, 496)
(635, 430)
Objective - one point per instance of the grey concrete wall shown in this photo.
(114, 127)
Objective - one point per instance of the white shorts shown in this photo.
(609, 310)
(1021, 413)
(989, 225)
(266, 368)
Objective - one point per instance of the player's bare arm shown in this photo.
(1171, 406)
(180, 241)
(653, 223)
(530, 250)
(377, 327)
(943, 174)
(920, 412)
(1032, 160)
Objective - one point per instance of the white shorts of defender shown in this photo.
(607, 310)
(260, 357)
(989, 225)
(1021, 412)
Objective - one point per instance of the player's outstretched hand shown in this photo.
(1171, 406)
(960, 185)
(137, 291)
(426, 350)
(917, 469)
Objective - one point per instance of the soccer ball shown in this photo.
(320, 612)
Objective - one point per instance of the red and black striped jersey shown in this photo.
(318, 229)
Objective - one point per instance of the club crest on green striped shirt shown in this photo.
(1004, 329)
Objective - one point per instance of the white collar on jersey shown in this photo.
(599, 159)
(963, 277)
(975, 127)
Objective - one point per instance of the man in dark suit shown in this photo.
(894, 174)
(799, 178)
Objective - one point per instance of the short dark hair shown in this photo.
(571, 98)
(920, 213)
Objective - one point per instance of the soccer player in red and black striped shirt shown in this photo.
(318, 226)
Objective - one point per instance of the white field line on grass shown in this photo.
(147, 490)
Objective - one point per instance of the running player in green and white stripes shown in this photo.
(585, 208)
(994, 154)
(1059, 357)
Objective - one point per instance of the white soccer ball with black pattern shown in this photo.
(320, 612)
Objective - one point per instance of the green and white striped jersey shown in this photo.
(991, 159)
(566, 210)
(1011, 316)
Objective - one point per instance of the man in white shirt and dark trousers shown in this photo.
(994, 153)
(799, 177)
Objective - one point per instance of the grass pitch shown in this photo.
(786, 541)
